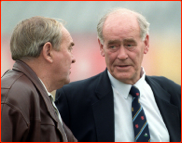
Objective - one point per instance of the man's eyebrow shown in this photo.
(114, 41)
(129, 40)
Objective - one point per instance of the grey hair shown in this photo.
(143, 23)
(30, 35)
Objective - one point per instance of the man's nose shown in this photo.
(73, 60)
(122, 53)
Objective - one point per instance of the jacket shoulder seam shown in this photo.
(17, 109)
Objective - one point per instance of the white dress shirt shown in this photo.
(124, 131)
(56, 110)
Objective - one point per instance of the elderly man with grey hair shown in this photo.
(122, 104)
(42, 50)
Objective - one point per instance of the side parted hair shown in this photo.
(143, 23)
(30, 35)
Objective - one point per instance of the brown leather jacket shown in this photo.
(26, 110)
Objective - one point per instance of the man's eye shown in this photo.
(112, 47)
(128, 45)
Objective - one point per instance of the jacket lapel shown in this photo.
(103, 109)
(21, 66)
(168, 111)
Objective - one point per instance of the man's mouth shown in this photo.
(122, 67)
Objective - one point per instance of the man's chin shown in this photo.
(67, 81)
(125, 78)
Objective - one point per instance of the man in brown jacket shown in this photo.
(42, 50)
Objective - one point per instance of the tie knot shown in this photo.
(134, 91)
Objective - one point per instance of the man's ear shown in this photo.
(47, 52)
(146, 43)
(101, 48)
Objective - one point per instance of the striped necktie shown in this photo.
(59, 117)
(140, 124)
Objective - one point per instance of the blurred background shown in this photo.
(163, 58)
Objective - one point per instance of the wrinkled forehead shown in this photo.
(121, 22)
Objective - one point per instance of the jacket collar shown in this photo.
(103, 109)
(168, 111)
(24, 68)
(103, 87)
(158, 91)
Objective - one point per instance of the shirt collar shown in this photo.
(120, 87)
(141, 82)
(124, 89)
(49, 94)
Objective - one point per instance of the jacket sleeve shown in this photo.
(13, 126)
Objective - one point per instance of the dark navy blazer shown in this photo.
(87, 107)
